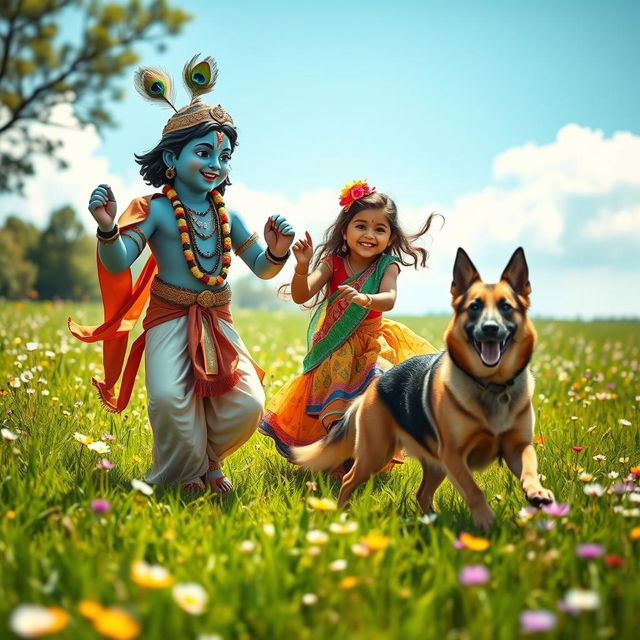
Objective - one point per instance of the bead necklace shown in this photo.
(187, 248)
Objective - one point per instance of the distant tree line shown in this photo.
(57, 262)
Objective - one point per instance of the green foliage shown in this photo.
(58, 262)
(56, 551)
(39, 70)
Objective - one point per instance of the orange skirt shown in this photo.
(306, 407)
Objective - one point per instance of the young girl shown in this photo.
(350, 343)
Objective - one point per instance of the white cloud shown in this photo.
(574, 204)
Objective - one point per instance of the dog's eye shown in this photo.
(505, 306)
(475, 306)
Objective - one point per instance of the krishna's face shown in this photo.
(203, 163)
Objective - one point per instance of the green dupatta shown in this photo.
(333, 323)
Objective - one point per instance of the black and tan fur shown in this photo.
(455, 411)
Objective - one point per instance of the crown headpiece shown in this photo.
(199, 77)
(354, 191)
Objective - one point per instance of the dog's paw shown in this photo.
(539, 496)
(483, 517)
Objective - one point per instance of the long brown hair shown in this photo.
(401, 245)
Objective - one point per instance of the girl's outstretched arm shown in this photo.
(384, 300)
(265, 263)
(305, 285)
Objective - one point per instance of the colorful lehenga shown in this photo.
(349, 346)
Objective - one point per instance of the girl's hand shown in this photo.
(351, 295)
(303, 251)
(102, 205)
(278, 234)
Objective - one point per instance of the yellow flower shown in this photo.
(473, 543)
(322, 504)
(375, 541)
(33, 621)
(634, 534)
(82, 439)
(585, 477)
(348, 582)
(150, 576)
(116, 624)
(10, 515)
(90, 609)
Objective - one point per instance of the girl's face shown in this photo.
(368, 233)
(203, 163)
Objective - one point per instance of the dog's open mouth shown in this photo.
(490, 351)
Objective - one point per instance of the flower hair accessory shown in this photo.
(354, 191)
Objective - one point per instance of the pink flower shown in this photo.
(556, 509)
(474, 574)
(589, 550)
(357, 192)
(108, 436)
(100, 506)
(537, 620)
(105, 464)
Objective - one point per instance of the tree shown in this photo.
(17, 272)
(39, 70)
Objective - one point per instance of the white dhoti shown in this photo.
(188, 430)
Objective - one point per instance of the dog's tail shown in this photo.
(334, 448)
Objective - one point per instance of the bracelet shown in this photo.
(275, 259)
(369, 302)
(133, 239)
(246, 244)
(108, 236)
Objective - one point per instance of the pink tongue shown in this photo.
(490, 352)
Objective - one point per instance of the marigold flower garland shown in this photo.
(187, 249)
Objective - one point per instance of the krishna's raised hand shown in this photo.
(102, 205)
(278, 234)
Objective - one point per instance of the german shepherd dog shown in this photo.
(455, 411)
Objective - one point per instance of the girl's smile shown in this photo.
(368, 234)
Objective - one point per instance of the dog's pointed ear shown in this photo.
(464, 273)
(516, 273)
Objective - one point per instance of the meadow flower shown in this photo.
(624, 423)
(82, 439)
(634, 534)
(309, 599)
(594, 489)
(343, 528)
(576, 600)
(348, 582)
(33, 621)
(116, 624)
(537, 620)
(613, 475)
(599, 457)
(190, 597)
(247, 546)
(100, 506)
(105, 464)
(90, 609)
(614, 560)
(312, 486)
(585, 477)
(428, 518)
(315, 536)
(375, 541)
(269, 529)
(474, 574)
(32, 346)
(546, 525)
(8, 436)
(635, 472)
(151, 576)
(589, 550)
(338, 565)
(142, 487)
(99, 447)
(322, 504)
(26, 376)
(14, 382)
(108, 437)
(360, 550)
(556, 509)
(467, 541)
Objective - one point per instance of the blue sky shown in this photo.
(520, 122)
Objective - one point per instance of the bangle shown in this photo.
(301, 273)
(108, 236)
(369, 302)
(246, 244)
(275, 259)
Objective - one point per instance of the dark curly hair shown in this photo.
(152, 166)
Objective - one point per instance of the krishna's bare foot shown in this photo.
(218, 482)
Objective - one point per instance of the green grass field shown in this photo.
(270, 564)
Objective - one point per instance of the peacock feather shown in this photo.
(200, 77)
(155, 85)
